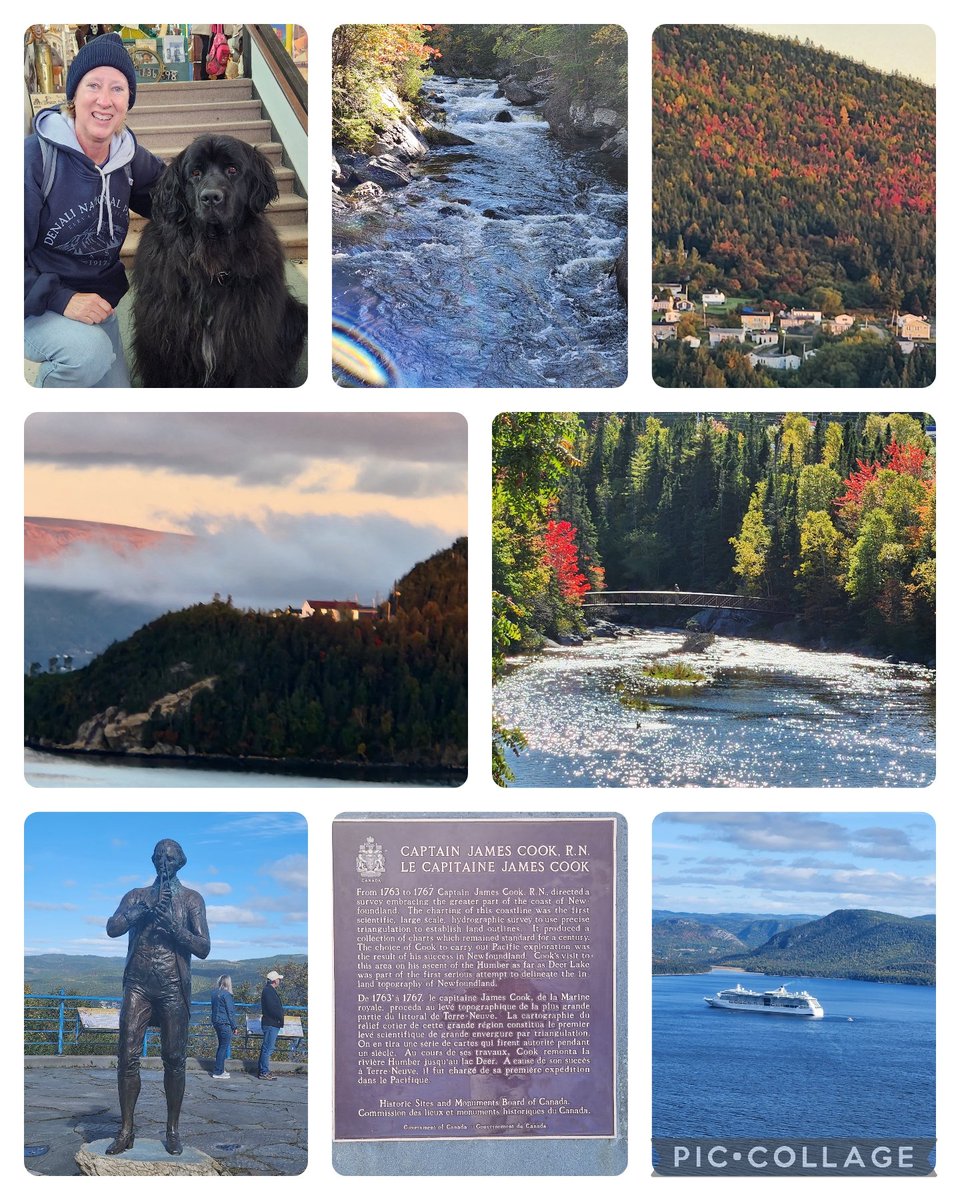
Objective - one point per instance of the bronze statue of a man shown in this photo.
(167, 922)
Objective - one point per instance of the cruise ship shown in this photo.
(788, 1004)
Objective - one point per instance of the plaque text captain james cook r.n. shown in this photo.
(482, 1010)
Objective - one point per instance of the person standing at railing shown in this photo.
(223, 1015)
(271, 1021)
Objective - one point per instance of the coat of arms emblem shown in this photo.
(371, 863)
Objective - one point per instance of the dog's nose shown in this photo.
(211, 196)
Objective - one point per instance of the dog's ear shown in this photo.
(169, 201)
(263, 182)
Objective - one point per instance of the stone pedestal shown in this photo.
(148, 1157)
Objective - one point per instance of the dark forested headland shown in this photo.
(786, 177)
(850, 943)
(213, 680)
(833, 516)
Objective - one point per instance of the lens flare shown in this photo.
(358, 361)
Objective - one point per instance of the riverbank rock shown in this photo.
(367, 191)
(620, 270)
(518, 93)
(119, 731)
(385, 169)
(436, 135)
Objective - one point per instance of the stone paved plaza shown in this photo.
(250, 1127)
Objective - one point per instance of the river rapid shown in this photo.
(453, 298)
(768, 715)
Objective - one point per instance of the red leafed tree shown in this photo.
(906, 460)
(560, 555)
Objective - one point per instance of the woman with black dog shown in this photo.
(84, 173)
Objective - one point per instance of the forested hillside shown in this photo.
(780, 168)
(261, 684)
(851, 943)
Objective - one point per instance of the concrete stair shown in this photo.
(168, 116)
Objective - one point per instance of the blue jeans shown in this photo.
(73, 354)
(270, 1033)
(224, 1038)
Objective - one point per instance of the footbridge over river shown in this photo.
(678, 599)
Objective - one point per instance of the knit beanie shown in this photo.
(105, 51)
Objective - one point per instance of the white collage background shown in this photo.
(479, 794)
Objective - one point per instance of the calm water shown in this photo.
(769, 714)
(722, 1074)
(458, 299)
(52, 770)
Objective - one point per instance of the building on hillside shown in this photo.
(772, 358)
(839, 324)
(713, 298)
(911, 327)
(663, 305)
(753, 319)
(764, 337)
(691, 341)
(726, 335)
(682, 304)
(339, 610)
(664, 333)
(789, 322)
(805, 314)
(671, 317)
(675, 289)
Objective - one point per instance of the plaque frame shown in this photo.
(535, 1154)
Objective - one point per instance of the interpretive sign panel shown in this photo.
(475, 978)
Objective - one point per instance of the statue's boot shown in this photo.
(173, 1143)
(123, 1141)
(174, 1079)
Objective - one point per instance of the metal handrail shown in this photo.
(66, 1029)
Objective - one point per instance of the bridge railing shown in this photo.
(674, 598)
(70, 1025)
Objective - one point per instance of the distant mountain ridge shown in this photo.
(845, 944)
(102, 975)
(46, 537)
(851, 943)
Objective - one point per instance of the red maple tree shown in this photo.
(561, 556)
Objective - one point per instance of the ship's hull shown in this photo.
(773, 1009)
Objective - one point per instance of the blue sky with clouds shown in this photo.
(811, 863)
(250, 868)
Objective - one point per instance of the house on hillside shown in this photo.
(672, 317)
(675, 289)
(770, 357)
(726, 335)
(805, 315)
(663, 305)
(664, 333)
(713, 298)
(339, 610)
(764, 337)
(839, 324)
(751, 318)
(911, 327)
(691, 341)
(683, 304)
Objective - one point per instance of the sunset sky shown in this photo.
(288, 505)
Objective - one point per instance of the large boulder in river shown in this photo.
(436, 135)
(386, 170)
(368, 190)
(517, 92)
(503, 116)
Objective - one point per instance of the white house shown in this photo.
(675, 289)
(773, 360)
(805, 314)
(713, 298)
(682, 304)
(664, 333)
(691, 341)
(764, 337)
(663, 305)
(838, 324)
(726, 335)
(671, 317)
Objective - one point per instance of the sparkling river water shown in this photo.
(768, 715)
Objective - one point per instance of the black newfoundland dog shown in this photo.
(211, 307)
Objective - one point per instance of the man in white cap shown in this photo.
(271, 1021)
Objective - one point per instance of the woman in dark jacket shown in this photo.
(84, 172)
(224, 1018)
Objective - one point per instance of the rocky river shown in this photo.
(765, 714)
(492, 267)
